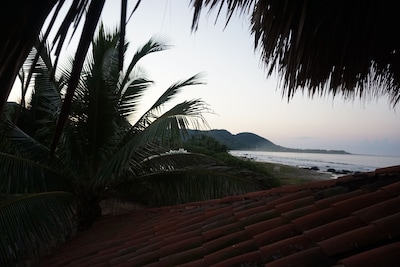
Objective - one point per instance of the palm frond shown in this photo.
(41, 53)
(138, 145)
(22, 175)
(151, 46)
(89, 27)
(182, 186)
(45, 104)
(167, 127)
(132, 95)
(25, 144)
(27, 169)
(175, 160)
(95, 107)
(47, 93)
(174, 122)
(173, 90)
(33, 224)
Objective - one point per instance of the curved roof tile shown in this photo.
(348, 221)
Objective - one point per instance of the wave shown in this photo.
(340, 163)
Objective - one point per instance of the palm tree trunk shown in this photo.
(88, 211)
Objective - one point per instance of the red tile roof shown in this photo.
(350, 221)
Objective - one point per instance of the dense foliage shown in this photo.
(240, 167)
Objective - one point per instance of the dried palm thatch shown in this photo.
(323, 46)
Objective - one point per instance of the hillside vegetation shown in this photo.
(251, 141)
(204, 144)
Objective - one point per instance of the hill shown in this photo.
(251, 141)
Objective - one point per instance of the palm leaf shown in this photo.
(45, 104)
(151, 113)
(89, 27)
(25, 144)
(34, 224)
(182, 186)
(174, 89)
(43, 53)
(117, 163)
(130, 98)
(151, 46)
(22, 175)
(27, 169)
(166, 127)
(174, 122)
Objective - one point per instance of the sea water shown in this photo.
(323, 162)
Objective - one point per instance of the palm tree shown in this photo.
(24, 21)
(323, 46)
(105, 152)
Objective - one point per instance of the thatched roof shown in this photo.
(341, 47)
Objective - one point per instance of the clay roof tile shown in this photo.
(181, 257)
(346, 222)
(276, 234)
(389, 225)
(310, 257)
(258, 217)
(222, 231)
(252, 258)
(352, 240)
(316, 218)
(334, 228)
(328, 201)
(386, 255)
(295, 204)
(348, 206)
(289, 197)
(390, 169)
(285, 247)
(379, 210)
(393, 188)
(224, 241)
(299, 212)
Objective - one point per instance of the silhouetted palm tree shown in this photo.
(22, 23)
(102, 153)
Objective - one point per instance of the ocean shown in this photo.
(340, 163)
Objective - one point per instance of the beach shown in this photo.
(339, 164)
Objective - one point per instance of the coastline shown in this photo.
(336, 164)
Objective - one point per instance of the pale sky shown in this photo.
(238, 91)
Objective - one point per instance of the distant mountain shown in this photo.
(251, 141)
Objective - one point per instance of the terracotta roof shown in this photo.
(349, 221)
